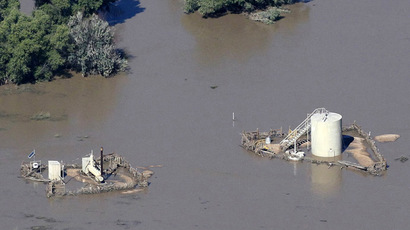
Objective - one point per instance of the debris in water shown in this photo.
(402, 159)
(41, 116)
(133, 191)
(81, 138)
(155, 166)
(147, 173)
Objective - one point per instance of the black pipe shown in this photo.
(102, 162)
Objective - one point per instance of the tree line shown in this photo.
(212, 8)
(60, 35)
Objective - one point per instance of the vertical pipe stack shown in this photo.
(102, 162)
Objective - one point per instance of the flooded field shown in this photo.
(174, 108)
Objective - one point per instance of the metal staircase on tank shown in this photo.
(301, 129)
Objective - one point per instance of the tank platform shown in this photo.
(117, 175)
(356, 143)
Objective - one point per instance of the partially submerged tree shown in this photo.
(218, 7)
(268, 16)
(94, 52)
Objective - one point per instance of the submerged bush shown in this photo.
(269, 16)
(215, 7)
(191, 6)
(94, 52)
(41, 116)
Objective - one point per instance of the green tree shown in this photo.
(87, 6)
(31, 47)
(94, 52)
(37, 48)
(211, 6)
(191, 6)
(6, 6)
(61, 10)
(58, 10)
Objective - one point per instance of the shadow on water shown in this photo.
(120, 11)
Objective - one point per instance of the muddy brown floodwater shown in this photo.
(351, 57)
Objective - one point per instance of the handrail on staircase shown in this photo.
(304, 126)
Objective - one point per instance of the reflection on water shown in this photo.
(235, 36)
(326, 181)
(295, 168)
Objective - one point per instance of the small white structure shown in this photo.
(85, 162)
(326, 134)
(35, 164)
(54, 170)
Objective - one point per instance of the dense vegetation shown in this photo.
(93, 52)
(210, 8)
(61, 10)
(60, 35)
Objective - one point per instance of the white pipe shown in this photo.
(95, 172)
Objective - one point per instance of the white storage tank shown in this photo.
(54, 170)
(326, 134)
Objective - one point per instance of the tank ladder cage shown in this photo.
(301, 129)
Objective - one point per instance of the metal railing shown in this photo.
(301, 129)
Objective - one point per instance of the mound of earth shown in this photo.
(387, 137)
